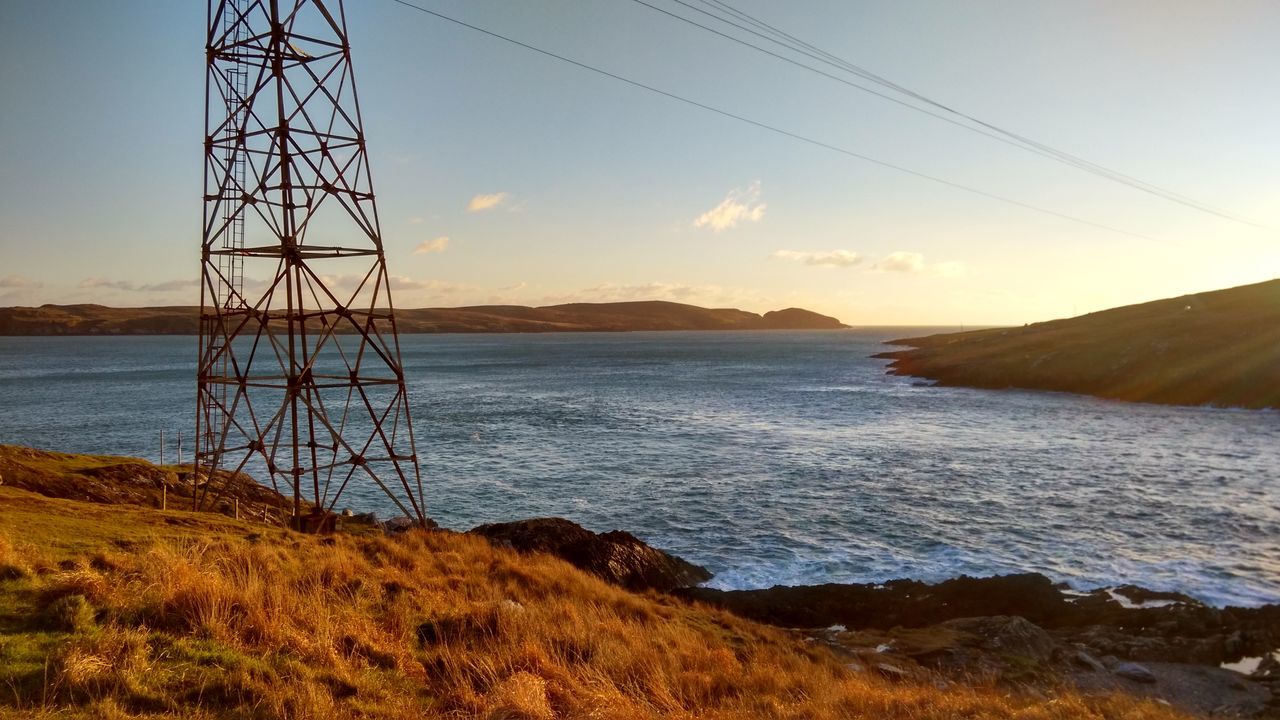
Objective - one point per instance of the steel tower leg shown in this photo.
(300, 374)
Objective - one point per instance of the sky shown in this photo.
(504, 176)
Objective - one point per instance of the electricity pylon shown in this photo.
(300, 372)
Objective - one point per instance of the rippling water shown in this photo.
(783, 457)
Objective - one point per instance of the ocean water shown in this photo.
(768, 457)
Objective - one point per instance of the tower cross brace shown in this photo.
(300, 375)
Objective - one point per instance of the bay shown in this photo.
(769, 457)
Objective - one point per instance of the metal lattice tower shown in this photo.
(300, 371)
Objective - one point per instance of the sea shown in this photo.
(774, 457)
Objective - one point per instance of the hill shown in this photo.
(1217, 348)
(111, 611)
(574, 317)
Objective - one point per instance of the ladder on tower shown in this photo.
(229, 290)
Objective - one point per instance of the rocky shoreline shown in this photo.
(1021, 631)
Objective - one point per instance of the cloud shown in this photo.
(903, 262)
(911, 263)
(417, 220)
(914, 263)
(170, 286)
(740, 205)
(704, 295)
(480, 203)
(127, 286)
(97, 282)
(395, 282)
(829, 258)
(429, 246)
(17, 282)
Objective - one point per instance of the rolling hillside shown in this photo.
(576, 317)
(1217, 348)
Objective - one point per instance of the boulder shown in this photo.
(1007, 636)
(1089, 662)
(1135, 672)
(618, 557)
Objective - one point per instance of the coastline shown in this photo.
(1219, 349)
(99, 320)
(1020, 632)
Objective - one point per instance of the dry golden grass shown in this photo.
(277, 625)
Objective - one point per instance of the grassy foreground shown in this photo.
(115, 611)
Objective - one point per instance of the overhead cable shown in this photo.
(775, 129)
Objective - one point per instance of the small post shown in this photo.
(237, 508)
(179, 447)
(164, 497)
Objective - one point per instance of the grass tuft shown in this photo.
(70, 613)
(243, 622)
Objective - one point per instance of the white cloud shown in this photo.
(704, 295)
(170, 286)
(914, 263)
(398, 283)
(829, 258)
(97, 282)
(417, 220)
(127, 286)
(480, 203)
(903, 262)
(429, 246)
(740, 205)
(18, 282)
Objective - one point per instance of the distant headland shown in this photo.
(1218, 348)
(574, 317)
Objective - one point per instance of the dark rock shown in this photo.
(908, 603)
(1002, 648)
(1009, 636)
(1181, 631)
(1140, 595)
(1085, 660)
(618, 557)
(1134, 671)
(1269, 667)
(892, 672)
(396, 525)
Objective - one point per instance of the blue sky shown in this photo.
(552, 184)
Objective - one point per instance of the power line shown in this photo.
(1019, 140)
(775, 129)
(985, 128)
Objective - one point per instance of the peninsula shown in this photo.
(1218, 348)
(573, 317)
